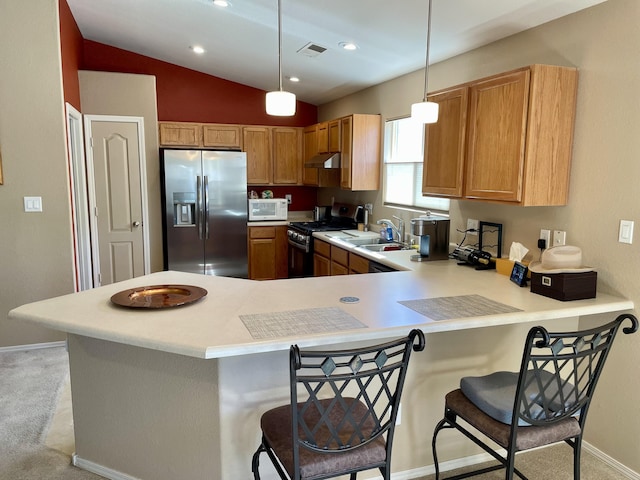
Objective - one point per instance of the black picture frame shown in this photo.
(519, 274)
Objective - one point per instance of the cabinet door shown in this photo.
(262, 253)
(346, 152)
(444, 145)
(334, 135)
(268, 253)
(496, 142)
(323, 137)
(321, 266)
(287, 155)
(221, 136)
(358, 264)
(180, 134)
(360, 152)
(257, 145)
(310, 142)
(338, 269)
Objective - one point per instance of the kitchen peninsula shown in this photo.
(177, 393)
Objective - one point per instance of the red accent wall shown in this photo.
(71, 44)
(188, 96)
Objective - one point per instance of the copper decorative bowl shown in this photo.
(158, 296)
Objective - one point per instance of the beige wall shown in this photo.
(36, 259)
(124, 94)
(602, 42)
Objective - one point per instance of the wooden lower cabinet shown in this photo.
(358, 264)
(268, 249)
(321, 258)
(332, 260)
(339, 261)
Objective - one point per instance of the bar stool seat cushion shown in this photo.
(276, 427)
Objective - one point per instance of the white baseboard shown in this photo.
(99, 469)
(32, 346)
(485, 457)
(616, 465)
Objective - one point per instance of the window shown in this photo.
(403, 156)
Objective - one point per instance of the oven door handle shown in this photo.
(304, 248)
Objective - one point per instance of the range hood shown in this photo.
(324, 160)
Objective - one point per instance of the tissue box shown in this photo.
(565, 286)
(504, 266)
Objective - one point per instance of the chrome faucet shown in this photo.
(399, 230)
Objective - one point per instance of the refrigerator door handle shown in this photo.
(199, 211)
(206, 207)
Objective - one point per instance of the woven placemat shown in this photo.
(444, 308)
(294, 322)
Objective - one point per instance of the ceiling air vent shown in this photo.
(312, 50)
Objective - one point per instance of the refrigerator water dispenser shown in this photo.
(184, 209)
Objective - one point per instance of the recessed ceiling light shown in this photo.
(197, 49)
(294, 79)
(348, 45)
(221, 3)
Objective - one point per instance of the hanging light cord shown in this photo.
(280, 45)
(426, 63)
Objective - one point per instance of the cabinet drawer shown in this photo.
(358, 264)
(322, 248)
(340, 256)
(262, 232)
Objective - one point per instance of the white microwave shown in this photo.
(265, 209)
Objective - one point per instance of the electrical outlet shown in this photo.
(472, 225)
(546, 236)
(399, 415)
(559, 237)
(288, 197)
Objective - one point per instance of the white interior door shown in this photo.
(79, 200)
(116, 169)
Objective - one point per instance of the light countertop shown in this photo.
(213, 328)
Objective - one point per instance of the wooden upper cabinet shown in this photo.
(497, 127)
(257, 145)
(334, 130)
(287, 155)
(518, 139)
(274, 155)
(360, 152)
(310, 149)
(323, 137)
(180, 134)
(222, 136)
(444, 145)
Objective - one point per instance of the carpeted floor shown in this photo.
(36, 436)
(31, 383)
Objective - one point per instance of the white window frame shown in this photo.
(402, 171)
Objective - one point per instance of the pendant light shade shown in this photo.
(425, 111)
(280, 103)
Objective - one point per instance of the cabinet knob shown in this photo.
(136, 224)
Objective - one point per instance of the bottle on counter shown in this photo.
(383, 232)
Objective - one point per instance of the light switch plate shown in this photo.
(32, 204)
(625, 234)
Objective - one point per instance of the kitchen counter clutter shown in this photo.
(188, 377)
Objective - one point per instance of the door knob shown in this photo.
(136, 224)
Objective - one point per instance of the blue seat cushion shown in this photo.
(495, 393)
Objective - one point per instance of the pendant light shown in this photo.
(280, 103)
(425, 111)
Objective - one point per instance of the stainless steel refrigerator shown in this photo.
(204, 193)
